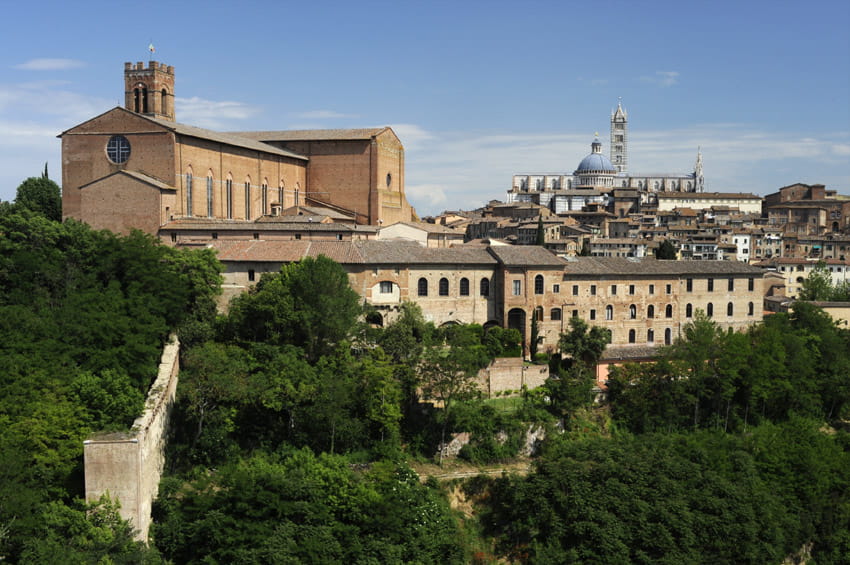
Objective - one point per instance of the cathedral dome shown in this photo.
(596, 161)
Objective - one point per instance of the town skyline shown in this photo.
(475, 96)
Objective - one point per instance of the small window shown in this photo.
(669, 289)
(593, 290)
(668, 311)
(689, 285)
(710, 285)
(650, 312)
(668, 336)
(731, 285)
(709, 310)
(613, 290)
(650, 336)
(631, 289)
(339, 237)
(689, 311)
(609, 312)
(444, 287)
(632, 312)
(389, 180)
(575, 290)
(652, 289)
(555, 314)
(422, 287)
(750, 309)
(730, 309)
(484, 287)
(386, 287)
(538, 313)
(173, 237)
(575, 313)
(215, 235)
(538, 284)
(593, 314)
(556, 288)
(517, 288)
(631, 336)
(251, 274)
(464, 287)
(256, 235)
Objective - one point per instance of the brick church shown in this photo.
(137, 167)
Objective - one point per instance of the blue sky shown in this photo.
(476, 91)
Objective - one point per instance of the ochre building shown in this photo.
(136, 167)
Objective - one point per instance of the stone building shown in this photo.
(642, 301)
(136, 167)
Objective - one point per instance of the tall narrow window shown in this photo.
(280, 194)
(538, 313)
(689, 285)
(464, 286)
(730, 309)
(709, 310)
(710, 285)
(264, 196)
(609, 312)
(297, 200)
(668, 337)
(209, 196)
(229, 196)
(668, 311)
(632, 312)
(422, 287)
(248, 199)
(750, 309)
(144, 100)
(613, 289)
(650, 336)
(517, 287)
(188, 194)
(484, 287)
(631, 336)
(444, 286)
(538, 284)
(689, 310)
(731, 285)
(751, 284)
(652, 289)
(592, 314)
(650, 312)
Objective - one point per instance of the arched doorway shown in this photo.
(516, 321)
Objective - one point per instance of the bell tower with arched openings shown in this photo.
(620, 139)
(149, 90)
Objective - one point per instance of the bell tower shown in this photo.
(149, 90)
(620, 139)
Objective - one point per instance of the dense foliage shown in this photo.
(818, 286)
(83, 316)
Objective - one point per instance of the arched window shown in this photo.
(650, 311)
(444, 287)
(750, 309)
(689, 311)
(709, 309)
(538, 313)
(422, 287)
(650, 336)
(464, 286)
(209, 195)
(228, 188)
(484, 287)
(163, 102)
(555, 314)
(730, 309)
(631, 336)
(280, 193)
(248, 198)
(668, 311)
(297, 195)
(264, 197)
(189, 192)
(609, 312)
(538, 284)
(632, 312)
(668, 337)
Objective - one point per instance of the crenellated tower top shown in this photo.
(149, 90)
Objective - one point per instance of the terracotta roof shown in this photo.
(621, 266)
(268, 223)
(427, 227)
(156, 183)
(626, 352)
(522, 255)
(312, 134)
(709, 195)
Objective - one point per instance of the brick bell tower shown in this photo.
(149, 90)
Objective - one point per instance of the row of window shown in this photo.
(668, 289)
(228, 189)
(730, 284)
(443, 287)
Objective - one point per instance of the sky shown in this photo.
(476, 90)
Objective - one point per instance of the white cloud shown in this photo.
(662, 78)
(50, 65)
(841, 149)
(322, 115)
(211, 114)
(428, 196)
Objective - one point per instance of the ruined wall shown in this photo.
(128, 465)
(510, 374)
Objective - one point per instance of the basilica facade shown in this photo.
(598, 174)
(136, 167)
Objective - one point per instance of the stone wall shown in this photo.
(510, 374)
(128, 465)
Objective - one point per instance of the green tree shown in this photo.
(666, 250)
(541, 232)
(818, 285)
(42, 195)
(584, 343)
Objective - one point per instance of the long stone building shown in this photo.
(136, 167)
(642, 301)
